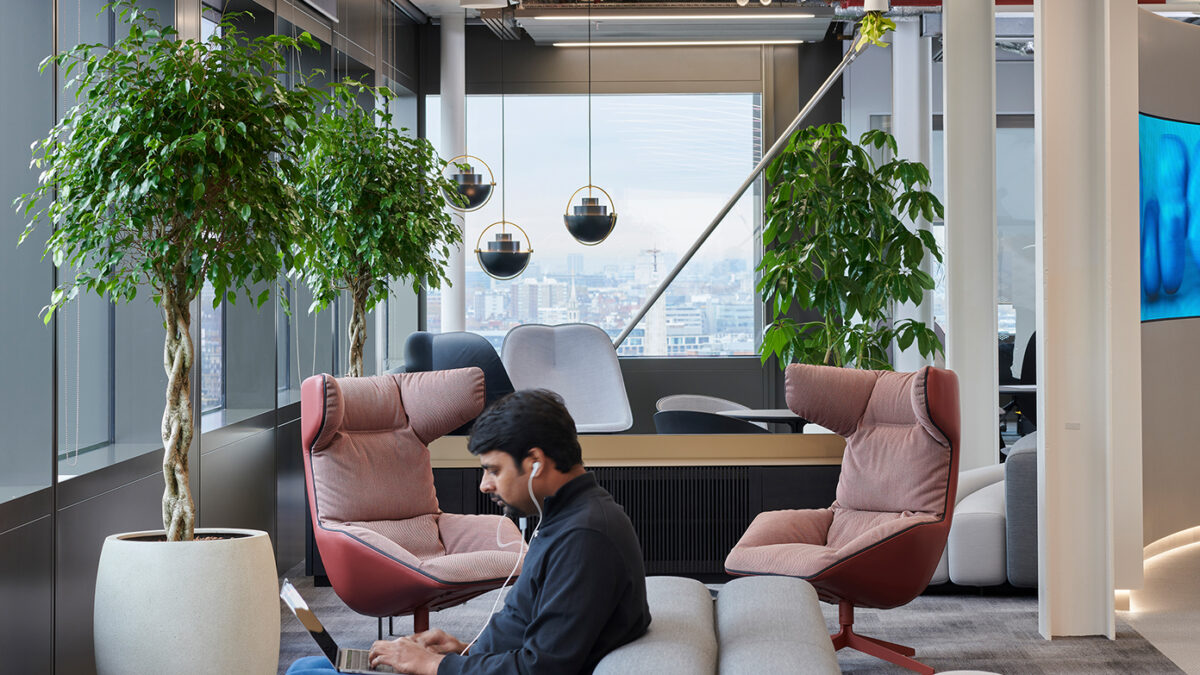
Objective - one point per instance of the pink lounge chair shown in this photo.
(879, 543)
(387, 547)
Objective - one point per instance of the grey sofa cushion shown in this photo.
(768, 625)
(976, 547)
(682, 635)
(1022, 525)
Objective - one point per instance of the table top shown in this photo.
(761, 414)
(1018, 389)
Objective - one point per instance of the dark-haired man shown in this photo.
(582, 588)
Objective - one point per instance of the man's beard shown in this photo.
(509, 510)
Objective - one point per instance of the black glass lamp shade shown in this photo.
(589, 221)
(472, 187)
(475, 189)
(503, 257)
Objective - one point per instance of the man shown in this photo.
(582, 588)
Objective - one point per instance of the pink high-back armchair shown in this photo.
(879, 543)
(387, 547)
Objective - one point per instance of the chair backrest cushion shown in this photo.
(369, 455)
(578, 362)
(898, 441)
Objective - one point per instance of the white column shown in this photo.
(969, 105)
(912, 121)
(454, 143)
(1089, 372)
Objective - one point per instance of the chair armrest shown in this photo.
(974, 480)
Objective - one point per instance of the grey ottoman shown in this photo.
(681, 638)
(768, 625)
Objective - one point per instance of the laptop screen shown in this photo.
(296, 603)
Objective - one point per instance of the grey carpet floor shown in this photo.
(949, 632)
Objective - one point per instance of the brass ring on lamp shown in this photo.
(527, 252)
(612, 215)
(491, 178)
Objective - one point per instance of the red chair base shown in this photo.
(420, 622)
(880, 649)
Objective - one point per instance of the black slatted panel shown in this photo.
(686, 518)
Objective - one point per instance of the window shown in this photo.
(26, 280)
(669, 161)
(1016, 288)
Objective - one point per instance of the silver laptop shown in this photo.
(345, 660)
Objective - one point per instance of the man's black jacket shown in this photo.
(580, 595)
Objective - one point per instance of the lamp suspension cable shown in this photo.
(589, 11)
(503, 156)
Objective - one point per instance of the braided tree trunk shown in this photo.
(358, 327)
(179, 512)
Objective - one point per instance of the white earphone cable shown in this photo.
(520, 558)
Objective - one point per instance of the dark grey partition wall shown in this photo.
(54, 516)
(27, 623)
(1167, 56)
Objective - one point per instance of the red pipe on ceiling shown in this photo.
(938, 3)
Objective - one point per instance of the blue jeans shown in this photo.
(311, 665)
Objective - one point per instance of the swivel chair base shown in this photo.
(888, 651)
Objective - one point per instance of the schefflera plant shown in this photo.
(379, 209)
(171, 170)
(835, 244)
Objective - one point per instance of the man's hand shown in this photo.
(439, 641)
(405, 656)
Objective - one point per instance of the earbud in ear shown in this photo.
(537, 466)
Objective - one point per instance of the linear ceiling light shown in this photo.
(679, 17)
(689, 43)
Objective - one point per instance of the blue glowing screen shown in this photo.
(1169, 174)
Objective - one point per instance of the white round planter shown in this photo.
(185, 607)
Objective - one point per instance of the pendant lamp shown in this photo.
(504, 258)
(474, 190)
(590, 222)
(471, 186)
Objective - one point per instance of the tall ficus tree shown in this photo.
(171, 170)
(379, 197)
(835, 244)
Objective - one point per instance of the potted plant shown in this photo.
(836, 245)
(380, 210)
(169, 172)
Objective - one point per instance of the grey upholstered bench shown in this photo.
(759, 625)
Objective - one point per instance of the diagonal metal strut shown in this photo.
(857, 48)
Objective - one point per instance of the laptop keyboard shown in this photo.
(359, 659)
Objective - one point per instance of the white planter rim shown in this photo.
(239, 535)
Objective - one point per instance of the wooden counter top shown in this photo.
(450, 452)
